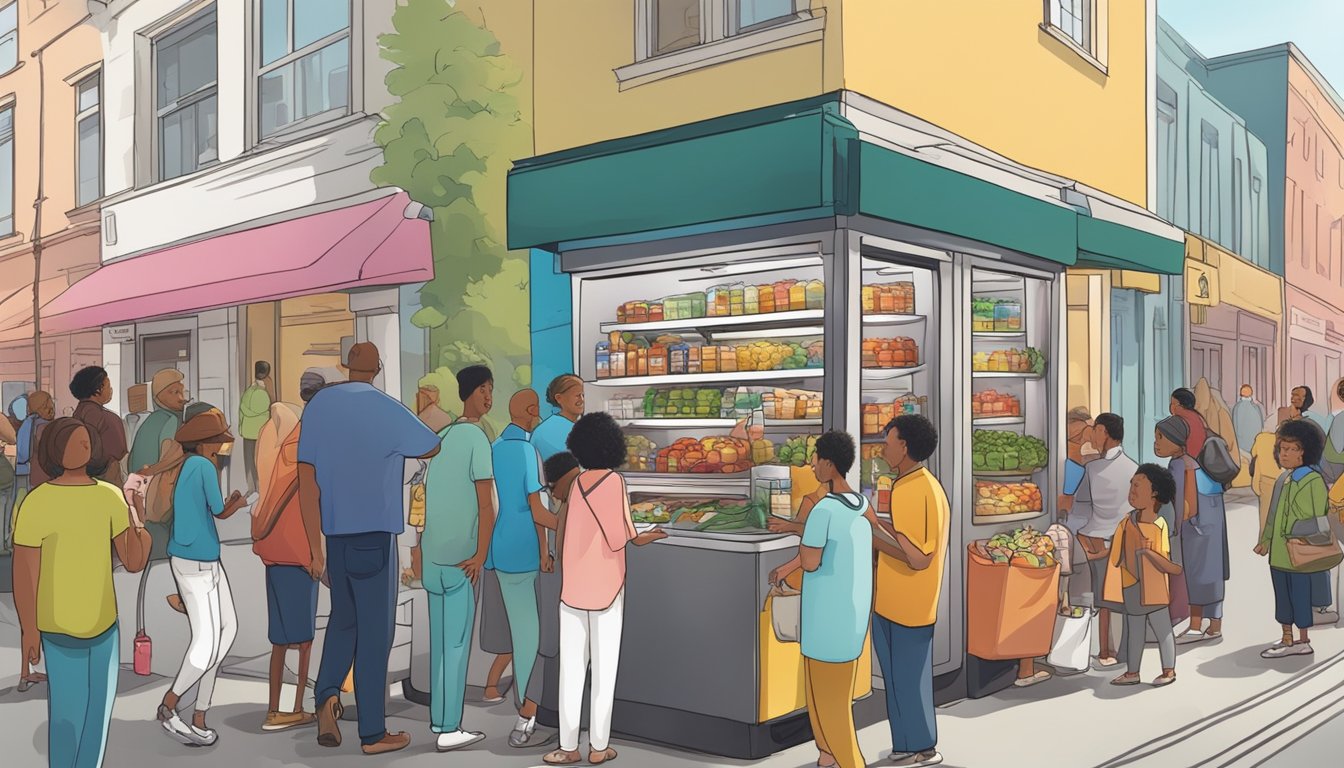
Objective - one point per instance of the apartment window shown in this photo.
(1074, 19)
(1167, 150)
(676, 25)
(1210, 185)
(1337, 246)
(88, 140)
(186, 71)
(7, 171)
(1321, 248)
(1238, 206)
(1258, 246)
(9, 36)
(304, 74)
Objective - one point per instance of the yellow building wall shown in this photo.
(578, 99)
(987, 71)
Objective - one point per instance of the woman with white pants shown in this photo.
(200, 577)
(596, 528)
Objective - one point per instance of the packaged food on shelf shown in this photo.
(678, 358)
(797, 451)
(603, 359)
(1008, 315)
(982, 315)
(650, 512)
(1025, 545)
(683, 403)
(797, 295)
(898, 352)
(658, 360)
(706, 455)
(765, 298)
(1028, 360)
(762, 452)
(638, 450)
(889, 298)
(872, 466)
(816, 295)
(994, 498)
(883, 502)
(751, 300)
(771, 356)
(717, 301)
(990, 404)
(876, 416)
(792, 404)
(656, 312)
(999, 451)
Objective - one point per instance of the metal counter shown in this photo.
(690, 655)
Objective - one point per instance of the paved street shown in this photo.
(1230, 708)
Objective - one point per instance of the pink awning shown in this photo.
(369, 244)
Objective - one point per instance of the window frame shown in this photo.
(733, 9)
(1096, 24)
(1210, 180)
(18, 59)
(1168, 134)
(80, 116)
(312, 122)
(11, 105)
(203, 17)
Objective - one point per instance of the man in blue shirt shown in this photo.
(565, 393)
(353, 447)
(519, 552)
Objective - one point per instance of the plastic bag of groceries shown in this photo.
(1070, 650)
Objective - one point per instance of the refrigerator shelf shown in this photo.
(990, 474)
(768, 319)
(713, 423)
(885, 374)
(1003, 375)
(689, 483)
(733, 377)
(998, 334)
(999, 421)
(893, 319)
(1000, 519)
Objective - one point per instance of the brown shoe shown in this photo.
(175, 602)
(329, 722)
(283, 721)
(391, 742)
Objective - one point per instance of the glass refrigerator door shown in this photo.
(713, 368)
(899, 361)
(1011, 403)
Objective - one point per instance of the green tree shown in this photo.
(448, 141)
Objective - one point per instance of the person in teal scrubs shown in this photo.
(518, 549)
(566, 394)
(459, 521)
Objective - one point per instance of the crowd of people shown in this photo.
(532, 529)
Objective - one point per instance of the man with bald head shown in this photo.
(519, 553)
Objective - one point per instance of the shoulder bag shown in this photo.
(1312, 546)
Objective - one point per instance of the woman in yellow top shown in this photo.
(63, 589)
(1138, 573)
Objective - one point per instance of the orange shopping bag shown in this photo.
(1010, 607)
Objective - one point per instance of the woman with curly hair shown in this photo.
(592, 589)
(1301, 498)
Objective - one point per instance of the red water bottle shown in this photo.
(143, 649)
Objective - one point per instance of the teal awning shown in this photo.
(795, 162)
(1108, 245)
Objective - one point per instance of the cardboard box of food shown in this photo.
(137, 398)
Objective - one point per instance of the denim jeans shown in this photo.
(82, 685)
(905, 655)
(362, 569)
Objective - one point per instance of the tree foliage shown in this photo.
(448, 141)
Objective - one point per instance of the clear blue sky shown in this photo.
(1216, 27)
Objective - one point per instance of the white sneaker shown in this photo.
(522, 732)
(1279, 650)
(915, 760)
(183, 733)
(448, 742)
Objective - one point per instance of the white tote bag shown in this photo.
(1070, 650)
(786, 610)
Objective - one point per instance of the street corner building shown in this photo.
(236, 220)
(827, 259)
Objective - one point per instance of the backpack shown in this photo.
(1217, 461)
(162, 485)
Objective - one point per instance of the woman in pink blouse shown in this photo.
(596, 528)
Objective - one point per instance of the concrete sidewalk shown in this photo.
(1228, 708)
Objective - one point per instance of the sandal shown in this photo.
(598, 758)
(502, 689)
(1164, 680)
(561, 757)
(1129, 678)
